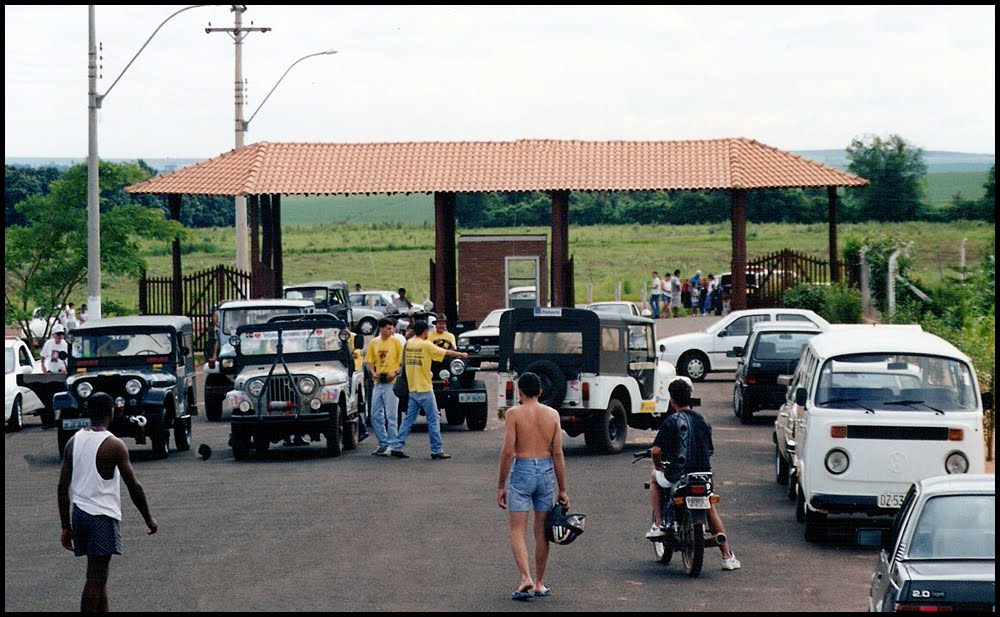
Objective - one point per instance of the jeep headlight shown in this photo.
(132, 386)
(444, 374)
(956, 463)
(837, 461)
(84, 389)
(254, 387)
(457, 366)
(307, 385)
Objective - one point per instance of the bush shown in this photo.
(836, 303)
(808, 297)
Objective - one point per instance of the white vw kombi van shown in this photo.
(876, 409)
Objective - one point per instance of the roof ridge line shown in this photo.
(253, 174)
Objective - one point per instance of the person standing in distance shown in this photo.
(531, 462)
(93, 462)
(441, 337)
(654, 294)
(51, 361)
(418, 356)
(384, 358)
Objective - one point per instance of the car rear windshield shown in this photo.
(887, 381)
(956, 527)
(548, 342)
(781, 345)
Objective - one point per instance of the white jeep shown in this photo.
(599, 370)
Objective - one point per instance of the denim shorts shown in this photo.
(532, 485)
(95, 535)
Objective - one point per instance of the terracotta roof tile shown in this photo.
(523, 165)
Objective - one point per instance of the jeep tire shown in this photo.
(608, 429)
(240, 442)
(350, 431)
(182, 434)
(334, 445)
(553, 382)
(476, 417)
(454, 414)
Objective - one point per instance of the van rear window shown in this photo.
(548, 342)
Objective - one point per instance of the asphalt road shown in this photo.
(302, 532)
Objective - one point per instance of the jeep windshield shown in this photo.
(121, 344)
(236, 317)
(893, 382)
(294, 341)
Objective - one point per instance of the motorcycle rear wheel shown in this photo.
(693, 544)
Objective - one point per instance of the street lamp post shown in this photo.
(328, 52)
(94, 101)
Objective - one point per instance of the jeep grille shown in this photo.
(281, 389)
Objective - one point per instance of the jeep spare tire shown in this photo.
(553, 382)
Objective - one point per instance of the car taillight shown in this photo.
(585, 393)
(923, 608)
(750, 380)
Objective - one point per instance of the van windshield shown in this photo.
(887, 381)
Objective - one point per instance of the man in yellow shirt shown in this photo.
(418, 356)
(441, 337)
(384, 358)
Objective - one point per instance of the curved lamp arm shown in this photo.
(246, 123)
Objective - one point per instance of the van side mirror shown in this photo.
(735, 352)
(800, 397)
(987, 401)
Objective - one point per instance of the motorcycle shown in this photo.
(687, 506)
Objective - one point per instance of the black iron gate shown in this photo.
(197, 295)
(769, 276)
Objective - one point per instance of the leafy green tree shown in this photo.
(46, 259)
(895, 170)
(20, 182)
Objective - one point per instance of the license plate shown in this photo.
(471, 397)
(890, 500)
(697, 503)
(73, 424)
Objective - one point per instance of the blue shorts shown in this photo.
(532, 485)
(95, 535)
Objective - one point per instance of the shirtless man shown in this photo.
(532, 457)
(93, 462)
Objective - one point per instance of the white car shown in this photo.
(18, 400)
(483, 343)
(619, 308)
(376, 300)
(697, 354)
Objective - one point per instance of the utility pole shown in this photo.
(238, 33)
(93, 178)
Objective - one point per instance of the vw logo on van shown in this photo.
(897, 462)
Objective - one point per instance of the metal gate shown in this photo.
(196, 296)
(769, 276)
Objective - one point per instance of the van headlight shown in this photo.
(837, 461)
(457, 366)
(956, 463)
(84, 389)
(254, 387)
(132, 386)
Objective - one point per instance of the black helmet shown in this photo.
(563, 528)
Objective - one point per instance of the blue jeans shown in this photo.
(418, 401)
(654, 304)
(532, 485)
(384, 403)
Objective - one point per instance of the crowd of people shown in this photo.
(671, 295)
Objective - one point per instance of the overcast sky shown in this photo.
(796, 78)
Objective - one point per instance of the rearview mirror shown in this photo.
(723, 333)
(801, 396)
(735, 352)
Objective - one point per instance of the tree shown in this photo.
(895, 171)
(46, 259)
(19, 183)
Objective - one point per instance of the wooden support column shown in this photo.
(831, 193)
(560, 248)
(738, 216)
(253, 202)
(276, 256)
(177, 290)
(266, 249)
(443, 287)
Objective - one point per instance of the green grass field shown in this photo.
(387, 256)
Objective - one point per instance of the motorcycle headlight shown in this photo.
(956, 463)
(254, 387)
(84, 389)
(457, 366)
(132, 386)
(307, 385)
(837, 461)
(444, 374)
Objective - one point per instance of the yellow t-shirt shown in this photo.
(420, 354)
(440, 339)
(386, 355)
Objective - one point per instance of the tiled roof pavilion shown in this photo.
(523, 165)
(264, 171)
